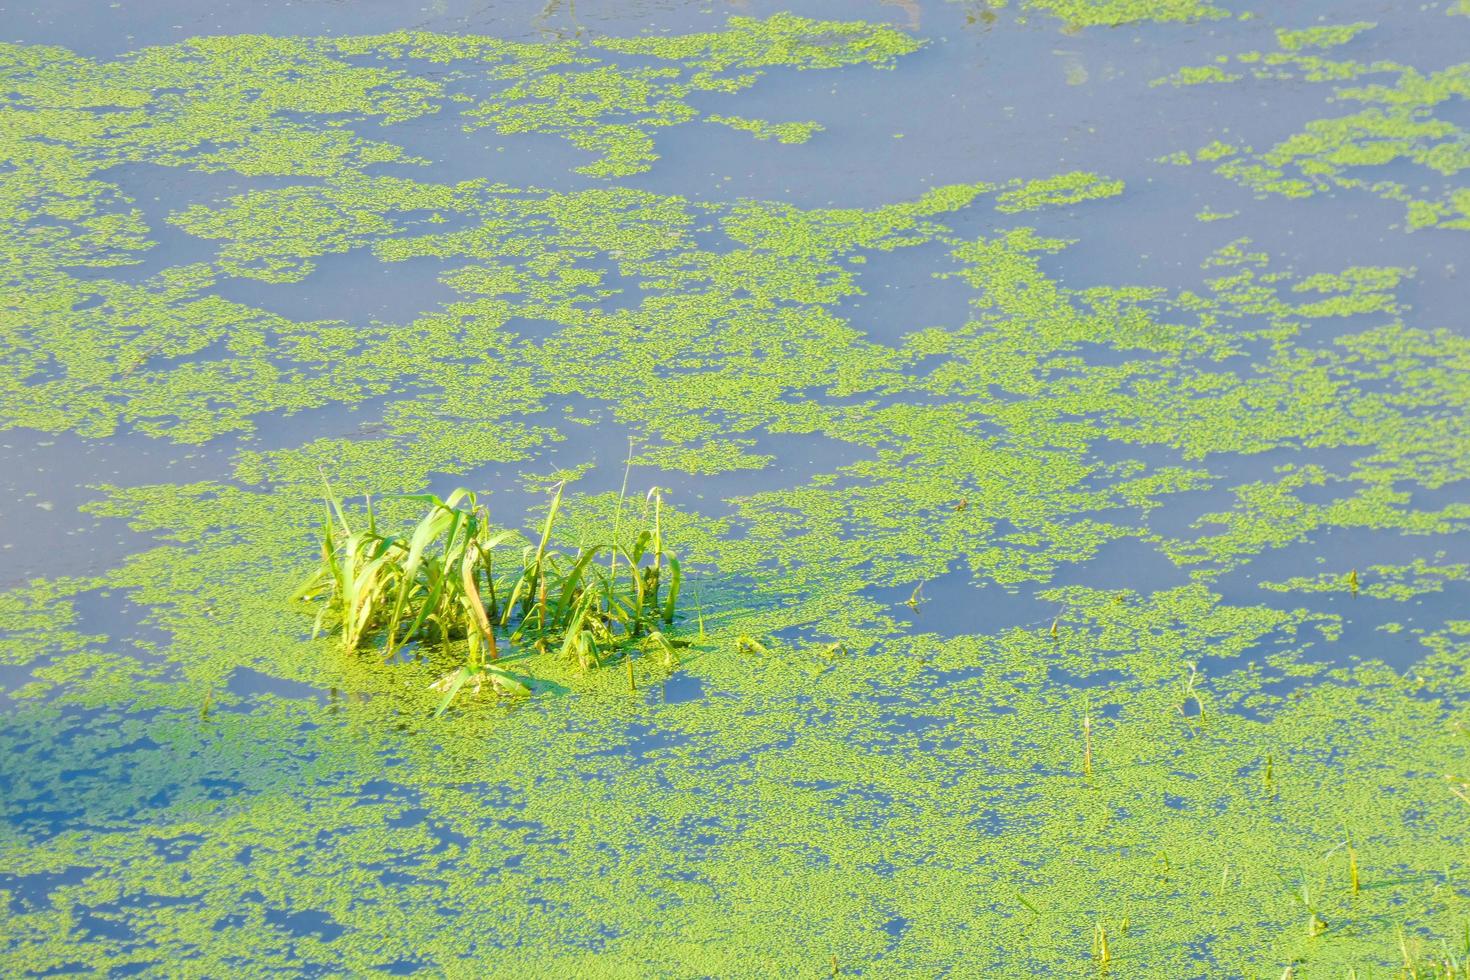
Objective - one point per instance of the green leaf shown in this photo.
(675, 577)
(506, 684)
(460, 678)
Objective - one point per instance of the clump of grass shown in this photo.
(448, 580)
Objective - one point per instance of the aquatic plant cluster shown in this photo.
(1040, 667)
(430, 586)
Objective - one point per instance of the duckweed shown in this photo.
(1401, 120)
(1397, 582)
(1245, 788)
(1114, 13)
(1062, 189)
(1111, 13)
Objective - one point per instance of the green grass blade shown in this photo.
(461, 676)
(506, 684)
(472, 600)
(570, 582)
(675, 578)
(427, 532)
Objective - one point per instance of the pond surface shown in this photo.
(1072, 397)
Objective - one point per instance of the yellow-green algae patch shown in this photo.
(270, 106)
(568, 90)
(1330, 36)
(1096, 729)
(1399, 122)
(964, 741)
(1398, 582)
(789, 132)
(936, 784)
(1070, 188)
(1115, 13)
(1111, 13)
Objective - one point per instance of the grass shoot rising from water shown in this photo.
(455, 577)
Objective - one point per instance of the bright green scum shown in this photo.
(1113, 13)
(1115, 742)
(1401, 121)
(236, 104)
(1400, 582)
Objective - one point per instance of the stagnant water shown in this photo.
(1071, 396)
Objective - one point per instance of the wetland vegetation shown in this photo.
(1057, 558)
(439, 584)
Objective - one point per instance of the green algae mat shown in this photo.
(1061, 410)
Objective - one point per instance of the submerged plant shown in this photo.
(441, 583)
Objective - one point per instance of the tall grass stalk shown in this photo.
(612, 561)
(1087, 745)
(1100, 947)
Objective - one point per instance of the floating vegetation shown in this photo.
(1080, 478)
(1069, 188)
(1406, 119)
(1113, 13)
(440, 583)
(791, 132)
(1395, 582)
